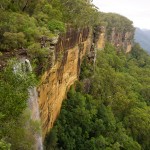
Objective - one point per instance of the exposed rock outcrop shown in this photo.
(121, 40)
(65, 56)
(69, 51)
(98, 42)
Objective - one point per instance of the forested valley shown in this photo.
(109, 108)
(22, 24)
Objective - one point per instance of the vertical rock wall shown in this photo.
(121, 40)
(67, 52)
(100, 37)
(55, 82)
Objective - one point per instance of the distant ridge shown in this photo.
(142, 36)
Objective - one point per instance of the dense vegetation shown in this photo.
(116, 22)
(107, 110)
(23, 22)
(14, 115)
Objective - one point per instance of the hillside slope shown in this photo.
(143, 37)
(107, 110)
(52, 37)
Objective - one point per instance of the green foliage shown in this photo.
(55, 25)
(14, 40)
(13, 92)
(22, 20)
(39, 56)
(20, 132)
(113, 114)
(16, 127)
(141, 56)
(138, 125)
(4, 145)
(120, 23)
(35, 50)
(17, 30)
(78, 12)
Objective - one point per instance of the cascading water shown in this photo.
(34, 107)
(25, 66)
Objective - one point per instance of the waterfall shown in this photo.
(35, 115)
(24, 66)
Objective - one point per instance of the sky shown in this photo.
(136, 10)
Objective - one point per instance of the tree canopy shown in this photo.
(16, 127)
(23, 22)
(112, 110)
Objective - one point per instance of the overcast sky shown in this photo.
(136, 10)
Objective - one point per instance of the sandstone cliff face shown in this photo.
(99, 37)
(98, 42)
(121, 40)
(55, 82)
(67, 52)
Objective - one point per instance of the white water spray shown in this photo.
(24, 66)
(35, 115)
